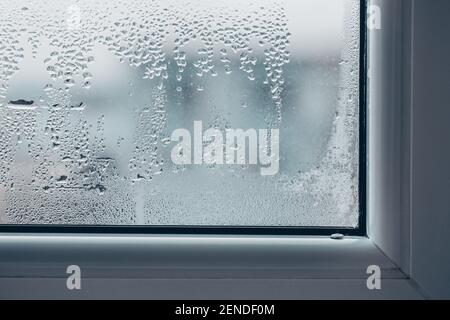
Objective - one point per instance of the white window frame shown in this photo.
(258, 267)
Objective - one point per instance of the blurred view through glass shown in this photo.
(91, 91)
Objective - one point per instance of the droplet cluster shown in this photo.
(61, 160)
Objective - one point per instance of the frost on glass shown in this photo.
(91, 91)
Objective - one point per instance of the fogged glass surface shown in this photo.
(92, 94)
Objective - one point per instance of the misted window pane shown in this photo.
(174, 112)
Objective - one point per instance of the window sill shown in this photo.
(196, 267)
(192, 257)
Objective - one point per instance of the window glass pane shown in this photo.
(174, 112)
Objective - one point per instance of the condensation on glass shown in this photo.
(91, 91)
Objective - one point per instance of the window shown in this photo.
(216, 115)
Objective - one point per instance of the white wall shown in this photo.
(430, 197)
